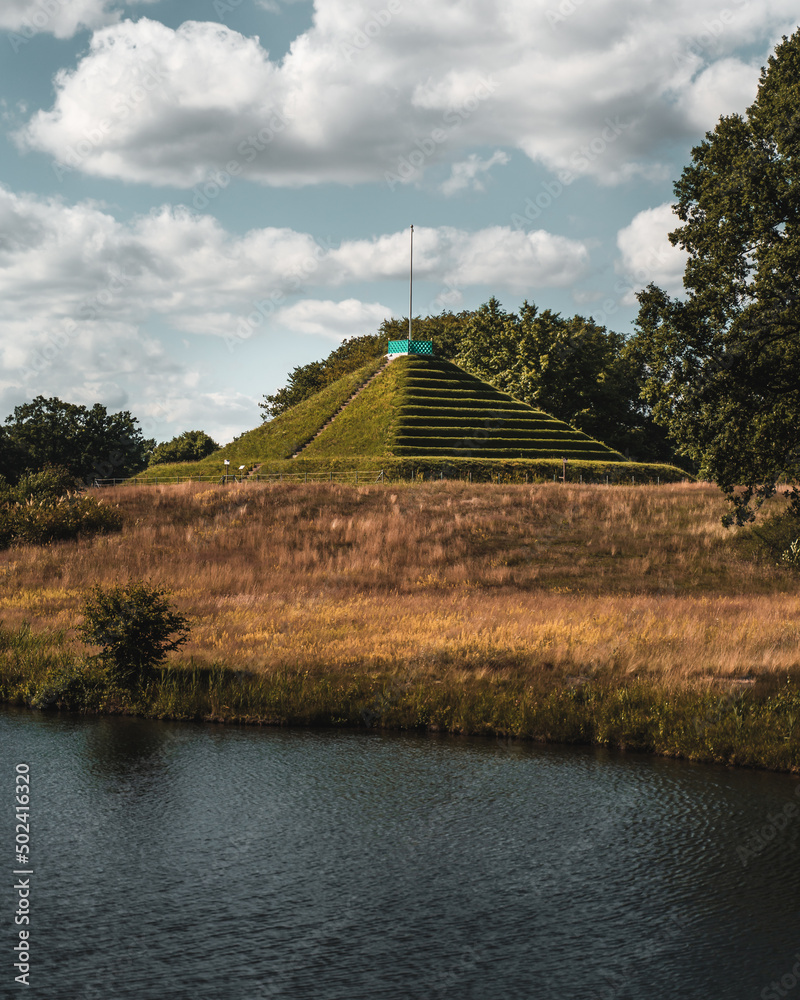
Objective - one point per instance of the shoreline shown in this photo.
(733, 725)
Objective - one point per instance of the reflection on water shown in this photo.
(200, 862)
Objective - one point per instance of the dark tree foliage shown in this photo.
(13, 460)
(136, 627)
(89, 443)
(49, 484)
(190, 446)
(723, 364)
(572, 368)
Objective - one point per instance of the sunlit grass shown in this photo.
(469, 599)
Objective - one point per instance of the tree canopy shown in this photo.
(722, 363)
(572, 368)
(89, 442)
(190, 446)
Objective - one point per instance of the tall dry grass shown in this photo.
(439, 582)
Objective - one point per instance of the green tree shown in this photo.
(89, 442)
(303, 382)
(490, 346)
(723, 362)
(136, 627)
(572, 368)
(353, 354)
(190, 446)
(13, 460)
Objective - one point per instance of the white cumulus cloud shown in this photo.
(647, 255)
(466, 174)
(380, 95)
(61, 18)
(348, 318)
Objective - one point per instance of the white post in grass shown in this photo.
(410, 287)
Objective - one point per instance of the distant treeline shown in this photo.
(572, 368)
(87, 443)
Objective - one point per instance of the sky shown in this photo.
(196, 197)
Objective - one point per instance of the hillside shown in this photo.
(279, 438)
(415, 407)
(622, 616)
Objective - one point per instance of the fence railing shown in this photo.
(365, 476)
(355, 476)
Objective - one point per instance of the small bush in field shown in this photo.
(792, 554)
(136, 628)
(70, 686)
(39, 522)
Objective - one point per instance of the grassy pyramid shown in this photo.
(417, 406)
(427, 407)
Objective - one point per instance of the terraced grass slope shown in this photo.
(425, 406)
(418, 406)
(277, 439)
(364, 426)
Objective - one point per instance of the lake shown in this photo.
(203, 862)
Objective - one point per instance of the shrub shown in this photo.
(778, 536)
(792, 554)
(45, 507)
(50, 483)
(71, 686)
(134, 625)
(38, 522)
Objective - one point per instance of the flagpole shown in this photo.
(410, 286)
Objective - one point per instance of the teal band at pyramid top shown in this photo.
(410, 347)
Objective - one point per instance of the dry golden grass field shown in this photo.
(438, 581)
(623, 616)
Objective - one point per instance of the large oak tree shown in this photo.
(723, 361)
